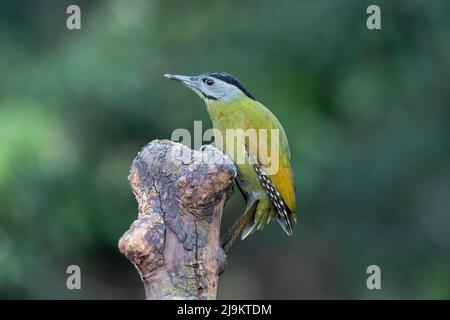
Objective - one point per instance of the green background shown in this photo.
(366, 113)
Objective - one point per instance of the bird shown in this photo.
(267, 194)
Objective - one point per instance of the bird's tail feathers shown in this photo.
(286, 223)
(244, 224)
(249, 228)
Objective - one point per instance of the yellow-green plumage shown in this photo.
(268, 195)
(245, 113)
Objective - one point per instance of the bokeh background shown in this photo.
(366, 113)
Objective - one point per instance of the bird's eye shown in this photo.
(208, 81)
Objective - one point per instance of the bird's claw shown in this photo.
(205, 146)
(232, 167)
(222, 157)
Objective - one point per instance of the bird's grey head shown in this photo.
(213, 86)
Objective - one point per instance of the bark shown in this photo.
(175, 243)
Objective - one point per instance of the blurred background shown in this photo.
(366, 113)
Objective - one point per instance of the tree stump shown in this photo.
(175, 242)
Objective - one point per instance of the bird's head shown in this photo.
(214, 87)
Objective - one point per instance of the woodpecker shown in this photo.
(267, 194)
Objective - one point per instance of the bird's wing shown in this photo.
(284, 183)
(283, 178)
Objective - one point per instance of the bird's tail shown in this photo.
(286, 223)
(239, 226)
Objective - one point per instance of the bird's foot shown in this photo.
(233, 169)
(206, 147)
(219, 157)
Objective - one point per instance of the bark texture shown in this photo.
(175, 242)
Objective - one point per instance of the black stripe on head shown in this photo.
(225, 77)
(208, 96)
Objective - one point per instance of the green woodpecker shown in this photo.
(268, 194)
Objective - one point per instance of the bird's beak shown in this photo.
(188, 81)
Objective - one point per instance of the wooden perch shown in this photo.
(175, 243)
